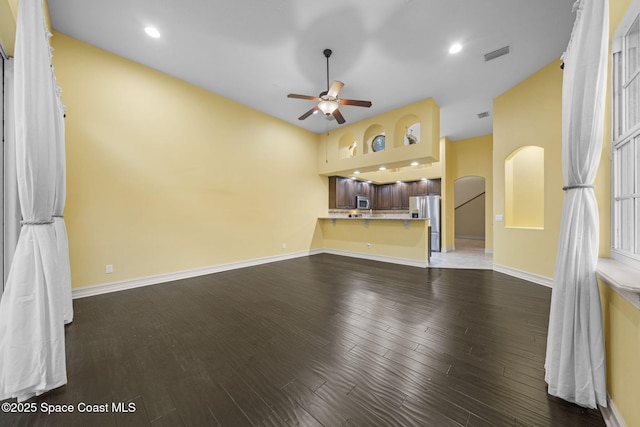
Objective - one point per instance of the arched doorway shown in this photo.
(469, 207)
(469, 227)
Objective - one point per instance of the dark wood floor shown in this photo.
(322, 340)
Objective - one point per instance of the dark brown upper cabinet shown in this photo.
(343, 193)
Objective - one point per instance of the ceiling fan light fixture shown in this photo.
(328, 106)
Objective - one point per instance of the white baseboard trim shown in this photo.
(105, 288)
(525, 275)
(470, 237)
(186, 274)
(611, 415)
(381, 258)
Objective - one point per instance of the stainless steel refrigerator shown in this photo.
(428, 207)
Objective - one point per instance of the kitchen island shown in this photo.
(395, 238)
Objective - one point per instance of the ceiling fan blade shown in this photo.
(335, 88)
(308, 113)
(295, 95)
(355, 102)
(338, 115)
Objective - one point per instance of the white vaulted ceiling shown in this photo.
(391, 52)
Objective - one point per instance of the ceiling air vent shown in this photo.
(496, 53)
(483, 114)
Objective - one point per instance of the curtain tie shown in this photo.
(41, 222)
(576, 186)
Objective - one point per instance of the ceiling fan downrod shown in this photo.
(327, 54)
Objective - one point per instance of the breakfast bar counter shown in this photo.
(395, 238)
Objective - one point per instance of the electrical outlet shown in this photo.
(284, 246)
(109, 269)
(368, 245)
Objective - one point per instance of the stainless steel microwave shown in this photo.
(362, 202)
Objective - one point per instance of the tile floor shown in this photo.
(468, 253)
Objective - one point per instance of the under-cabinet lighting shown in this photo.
(414, 163)
(356, 172)
(382, 168)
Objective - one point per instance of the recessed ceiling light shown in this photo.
(414, 163)
(152, 32)
(369, 182)
(382, 168)
(398, 182)
(423, 179)
(455, 48)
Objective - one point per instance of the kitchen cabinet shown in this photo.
(343, 193)
(383, 197)
(399, 196)
(435, 186)
(422, 187)
(363, 189)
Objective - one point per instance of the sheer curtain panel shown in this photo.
(62, 239)
(32, 346)
(11, 203)
(575, 359)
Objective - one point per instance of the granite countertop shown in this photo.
(399, 218)
(403, 215)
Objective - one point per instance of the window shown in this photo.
(625, 144)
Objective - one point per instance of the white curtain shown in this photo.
(62, 240)
(32, 346)
(575, 360)
(11, 203)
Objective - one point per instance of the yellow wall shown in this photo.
(622, 347)
(530, 113)
(8, 18)
(164, 176)
(470, 157)
(8, 14)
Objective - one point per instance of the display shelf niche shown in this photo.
(371, 132)
(422, 117)
(409, 124)
(348, 146)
